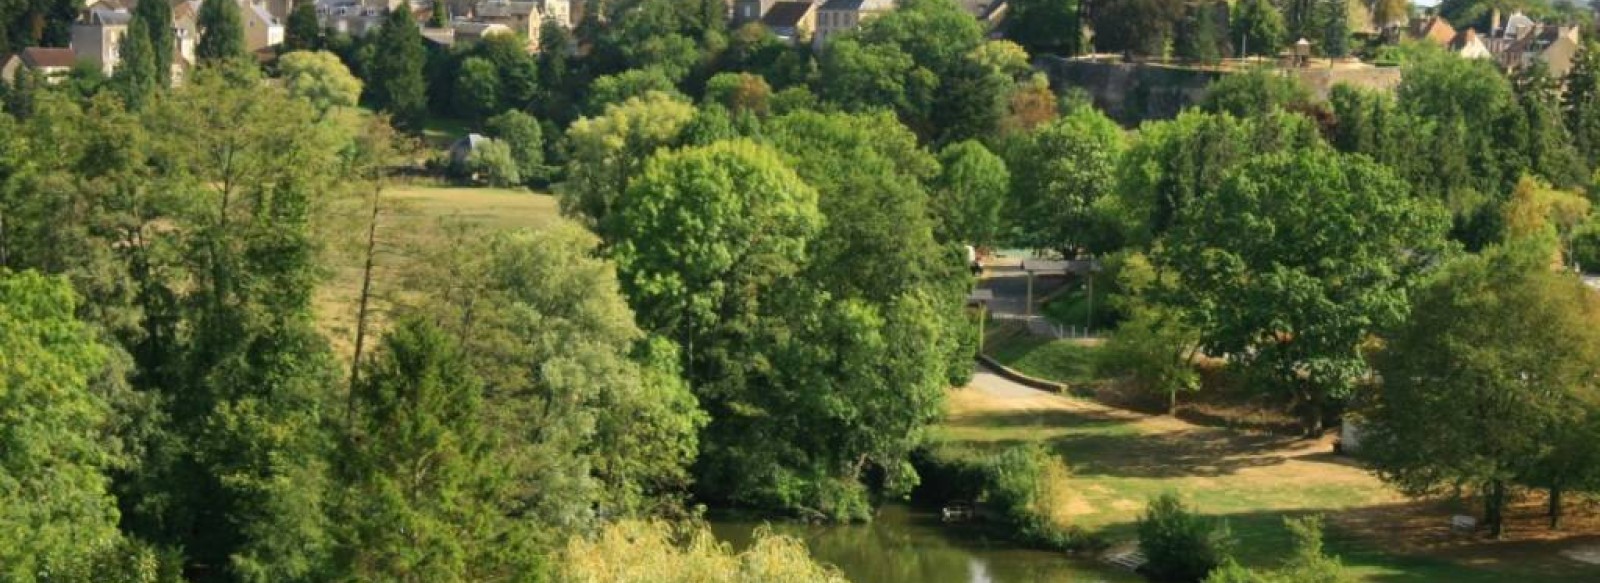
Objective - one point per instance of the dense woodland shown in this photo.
(756, 299)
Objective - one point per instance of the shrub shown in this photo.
(1181, 545)
(658, 552)
(1027, 486)
(1308, 564)
(493, 162)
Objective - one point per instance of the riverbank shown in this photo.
(1119, 459)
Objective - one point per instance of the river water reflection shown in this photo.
(907, 546)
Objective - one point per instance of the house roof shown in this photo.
(1463, 39)
(440, 36)
(502, 8)
(262, 14)
(110, 17)
(857, 5)
(1434, 29)
(41, 57)
(787, 14)
(480, 28)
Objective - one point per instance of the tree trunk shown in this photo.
(1172, 402)
(1494, 508)
(1555, 505)
(361, 311)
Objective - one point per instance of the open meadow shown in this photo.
(414, 219)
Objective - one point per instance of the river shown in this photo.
(904, 545)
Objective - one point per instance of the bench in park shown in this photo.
(1463, 523)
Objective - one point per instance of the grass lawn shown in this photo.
(1119, 460)
(413, 219)
(1068, 361)
(440, 132)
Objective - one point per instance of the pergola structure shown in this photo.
(981, 299)
(1034, 267)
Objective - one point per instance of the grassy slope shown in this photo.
(412, 222)
(1121, 459)
(1066, 361)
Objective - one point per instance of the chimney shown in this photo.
(1494, 22)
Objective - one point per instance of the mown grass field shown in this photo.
(1120, 459)
(413, 220)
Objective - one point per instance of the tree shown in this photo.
(609, 151)
(1180, 544)
(477, 89)
(221, 33)
(493, 162)
(1136, 28)
(319, 78)
(394, 76)
(1581, 104)
(1045, 26)
(969, 194)
(740, 93)
(138, 76)
(1472, 394)
(520, 133)
(1291, 298)
(1174, 163)
(1550, 145)
(1060, 174)
(439, 16)
(303, 33)
(1259, 26)
(1307, 564)
(1155, 348)
(1458, 97)
(58, 518)
(1256, 92)
(590, 412)
(1336, 28)
(419, 476)
(156, 19)
(1203, 34)
(635, 83)
(657, 552)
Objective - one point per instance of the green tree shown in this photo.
(740, 93)
(221, 33)
(156, 19)
(138, 76)
(320, 78)
(394, 75)
(303, 33)
(58, 518)
(418, 473)
(635, 83)
(1472, 393)
(1307, 564)
(590, 411)
(1045, 26)
(1551, 152)
(1155, 348)
(969, 194)
(493, 162)
(1458, 98)
(1289, 298)
(439, 15)
(1180, 544)
(521, 133)
(1259, 26)
(1174, 163)
(609, 151)
(1256, 92)
(1062, 177)
(1336, 28)
(657, 552)
(477, 89)
(1203, 34)
(1137, 28)
(1581, 104)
